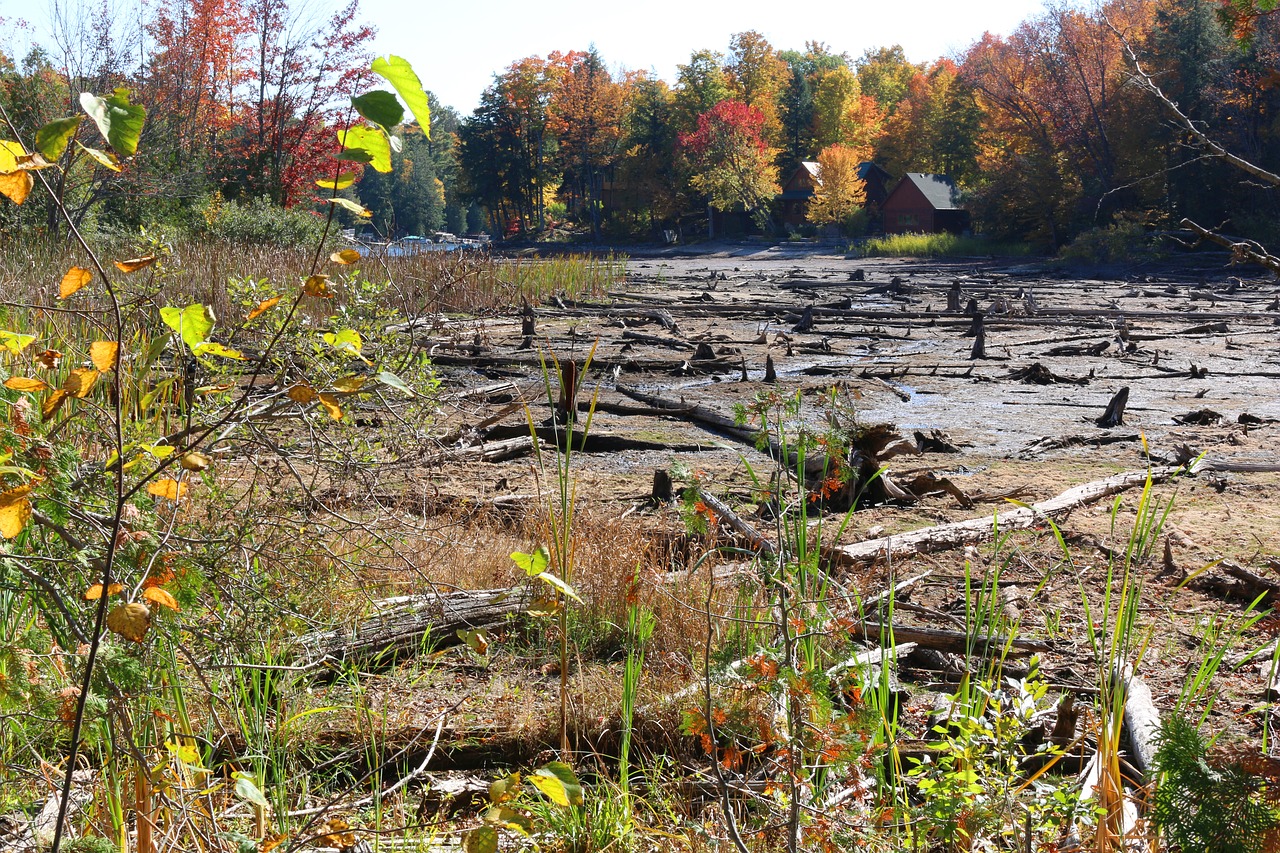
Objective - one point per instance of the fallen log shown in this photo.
(1141, 718)
(946, 536)
(406, 624)
(943, 640)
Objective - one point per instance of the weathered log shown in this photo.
(408, 623)
(950, 641)
(1141, 718)
(945, 536)
(737, 524)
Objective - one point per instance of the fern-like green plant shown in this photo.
(1206, 805)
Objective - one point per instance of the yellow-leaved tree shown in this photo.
(841, 192)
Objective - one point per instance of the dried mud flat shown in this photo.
(1196, 344)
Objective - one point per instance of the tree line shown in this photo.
(1045, 131)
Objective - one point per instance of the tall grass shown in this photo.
(199, 271)
(917, 245)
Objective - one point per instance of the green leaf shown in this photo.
(193, 323)
(53, 138)
(247, 789)
(557, 781)
(399, 73)
(508, 818)
(393, 381)
(501, 790)
(15, 342)
(119, 121)
(380, 107)
(345, 341)
(482, 839)
(372, 141)
(533, 564)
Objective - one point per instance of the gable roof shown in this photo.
(866, 168)
(939, 190)
(812, 168)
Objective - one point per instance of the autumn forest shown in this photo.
(1048, 132)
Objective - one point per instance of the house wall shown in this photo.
(906, 209)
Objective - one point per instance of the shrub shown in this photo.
(258, 222)
(1113, 244)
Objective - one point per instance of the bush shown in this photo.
(1113, 244)
(259, 222)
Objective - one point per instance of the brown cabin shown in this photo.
(798, 189)
(796, 192)
(924, 203)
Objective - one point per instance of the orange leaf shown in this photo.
(19, 383)
(330, 404)
(346, 256)
(76, 278)
(168, 489)
(48, 359)
(80, 382)
(156, 595)
(301, 393)
(104, 354)
(94, 592)
(263, 307)
(50, 406)
(318, 285)
(15, 510)
(17, 186)
(134, 264)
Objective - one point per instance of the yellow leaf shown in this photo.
(301, 393)
(318, 285)
(94, 592)
(350, 384)
(341, 182)
(156, 595)
(134, 264)
(102, 158)
(130, 621)
(50, 406)
(348, 204)
(15, 510)
(168, 489)
(263, 307)
(19, 383)
(195, 461)
(17, 186)
(103, 354)
(346, 256)
(76, 278)
(330, 404)
(80, 382)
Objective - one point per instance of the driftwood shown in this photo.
(946, 536)
(407, 623)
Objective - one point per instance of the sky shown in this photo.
(456, 47)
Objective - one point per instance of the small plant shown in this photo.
(1223, 800)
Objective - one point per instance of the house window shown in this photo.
(908, 220)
